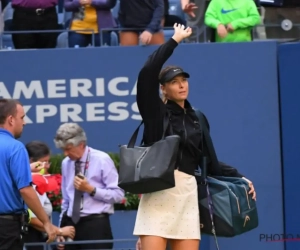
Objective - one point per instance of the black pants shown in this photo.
(29, 19)
(91, 227)
(10, 235)
(170, 20)
(34, 236)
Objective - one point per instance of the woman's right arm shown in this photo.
(71, 5)
(148, 100)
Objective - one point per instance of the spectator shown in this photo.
(233, 21)
(143, 21)
(195, 10)
(170, 20)
(39, 154)
(34, 15)
(89, 188)
(89, 17)
(15, 181)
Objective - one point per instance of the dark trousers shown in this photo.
(91, 227)
(34, 236)
(28, 19)
(170, 20)
(83, 40)
(10, 235)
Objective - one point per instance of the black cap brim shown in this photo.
(172, 74)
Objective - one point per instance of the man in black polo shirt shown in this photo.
(15, 180)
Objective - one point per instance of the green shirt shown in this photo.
(241, 14)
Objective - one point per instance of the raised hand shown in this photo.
(180, 32)
(189, 9)
(36, 166)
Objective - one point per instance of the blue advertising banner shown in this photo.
(289, 61)
(235, 85)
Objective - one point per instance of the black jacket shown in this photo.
(184, 122)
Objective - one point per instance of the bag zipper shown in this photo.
(237, 198)
(247, 197)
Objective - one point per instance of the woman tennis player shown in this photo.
(172, 214)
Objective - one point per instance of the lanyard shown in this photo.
(87, 163)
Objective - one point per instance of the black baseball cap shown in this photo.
(171, 73)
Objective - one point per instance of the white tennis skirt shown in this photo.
(172, 213)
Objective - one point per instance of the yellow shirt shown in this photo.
(86, 18)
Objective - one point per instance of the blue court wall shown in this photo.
(235, 85)
(289, 61)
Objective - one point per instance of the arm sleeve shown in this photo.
(71, 5)
(20, 168)
(104, 4)
(210, 18)
(224, 169)
(250, 21)
(157, 16)
(149, 102)
(110, 193)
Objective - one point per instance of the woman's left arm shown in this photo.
(104, 4)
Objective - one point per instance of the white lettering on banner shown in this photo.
(73, 88)
(94, 109)
(54, 86)
(71, 111)
(34, 87)
(26, 118)
(58, 88)
(117, 111)
(81, 86)
(114, 108)
(43, 111)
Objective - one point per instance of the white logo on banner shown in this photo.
(74, 88)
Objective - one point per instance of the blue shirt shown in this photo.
(15, 173)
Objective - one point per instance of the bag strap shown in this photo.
(215, 162)
(210, 208)
(206, 136)
(133, 138)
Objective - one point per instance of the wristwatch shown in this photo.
(93, 192)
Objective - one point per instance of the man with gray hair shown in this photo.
(89, 188)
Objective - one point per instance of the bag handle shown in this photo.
(133, 138)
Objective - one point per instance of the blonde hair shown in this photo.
(164, 98)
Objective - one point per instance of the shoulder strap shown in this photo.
(207, 139)
(212, 154)
(166, 122)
